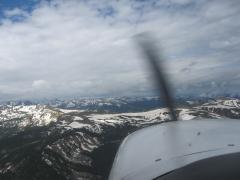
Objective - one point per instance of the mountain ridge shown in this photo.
(77, 144)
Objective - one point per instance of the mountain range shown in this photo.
(78, 139)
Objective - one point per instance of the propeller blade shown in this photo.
(149, 51)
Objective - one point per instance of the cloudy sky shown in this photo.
(76, 48)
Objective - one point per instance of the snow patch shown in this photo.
(77, 125)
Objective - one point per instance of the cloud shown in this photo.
(85, 48)
(39, 84)
(15, 12)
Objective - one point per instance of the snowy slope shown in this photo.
(32, 115)
(72, 143)
(40, 115)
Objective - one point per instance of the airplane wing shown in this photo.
(158, 151)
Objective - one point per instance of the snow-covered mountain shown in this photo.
(119, 104)
(32, 115)
(44, 142)
(107, 105)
